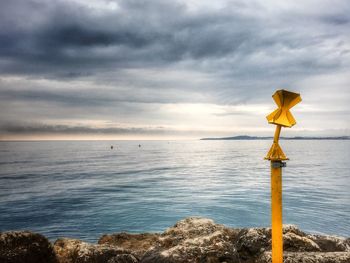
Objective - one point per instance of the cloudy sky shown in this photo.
(157, 69)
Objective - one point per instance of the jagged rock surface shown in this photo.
(194, 240)
(25, 247)
(123, 258)
(201, 240)
(76, 251)
(308, 257)
(190, 240)
(138, 243)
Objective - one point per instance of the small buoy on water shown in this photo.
(112, 147)
(139, 145)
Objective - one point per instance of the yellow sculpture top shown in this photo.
(281, 117)
(285, 100)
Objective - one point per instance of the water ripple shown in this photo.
(84, 189)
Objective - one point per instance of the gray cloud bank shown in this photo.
(67, 39)
(65, 129)
(117, 61)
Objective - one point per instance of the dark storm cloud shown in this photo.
(66, 98)
(77, 98)
(66, 129)
(336, 20)
(62, 38)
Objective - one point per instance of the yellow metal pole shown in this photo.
(276, 205)
(276, 215)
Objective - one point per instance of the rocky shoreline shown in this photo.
(192, 239)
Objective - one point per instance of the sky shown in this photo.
(157, 69)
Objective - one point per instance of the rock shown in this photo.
(25, 247)
(330, 243)
(296, 243)
(123, 258)
(76, 251)
(290, 229)
(201, 240)
(194, 240)
(308, 257)
(252, 242)
(138, 243)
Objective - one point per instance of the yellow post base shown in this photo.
(276, 215)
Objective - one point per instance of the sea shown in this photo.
(83, 189)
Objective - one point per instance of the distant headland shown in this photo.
(246, 137)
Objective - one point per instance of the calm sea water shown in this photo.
(83, 189)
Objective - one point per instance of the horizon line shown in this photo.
(237, 137)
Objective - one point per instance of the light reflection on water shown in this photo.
(84, 189)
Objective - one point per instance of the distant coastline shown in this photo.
(246, 137)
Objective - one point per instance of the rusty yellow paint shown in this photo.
(281, 117)
(276, 214)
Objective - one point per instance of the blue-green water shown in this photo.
(83, 189)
